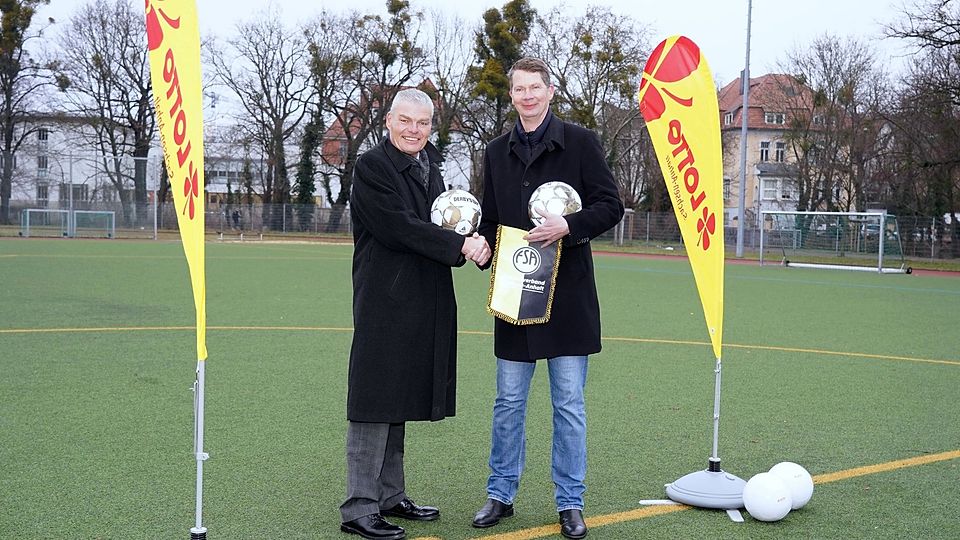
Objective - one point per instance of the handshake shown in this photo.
(476, 249)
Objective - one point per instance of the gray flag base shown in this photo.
(710, 488)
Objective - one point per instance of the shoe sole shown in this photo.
(350, 530)
(508, 513)
(412, 518)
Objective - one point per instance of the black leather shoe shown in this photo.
(408, 509)
(492, 513)
(572, 525)
(373, 527)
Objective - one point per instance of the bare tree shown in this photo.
(267, 66)
(923, 176)
(596, 59)
(104, 76)
(21, 80)
(359, 63)
(450, 57)
(832, 121)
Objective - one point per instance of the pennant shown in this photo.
(678, 100)
(522, 278)
(173, 39)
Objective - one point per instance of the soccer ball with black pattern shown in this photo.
(457, 210)
(557, 198)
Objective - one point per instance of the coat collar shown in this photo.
(402, 161)
(552, 139)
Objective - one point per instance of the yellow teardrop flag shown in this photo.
(173, 38)
(678, 100)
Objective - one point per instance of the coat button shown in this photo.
(526, 183)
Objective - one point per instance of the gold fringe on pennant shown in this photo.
(553, 284)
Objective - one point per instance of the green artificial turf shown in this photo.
(833, 370)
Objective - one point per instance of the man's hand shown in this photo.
(553, 228)
(476, 249)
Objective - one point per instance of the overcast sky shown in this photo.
(717, 26)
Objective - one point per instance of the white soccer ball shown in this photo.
(798, 481)
(766, 497)
(457, 210)
(557, 198)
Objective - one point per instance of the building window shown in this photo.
(765, 151)
(726, 188)
(43, 194)
(773, 189)
(727, 118)
(788, 190)
(818, 120)
(774, 118)
(43, 134)
(80, 192)
(769, 189)
(780, 154)
(3, 160)
(42, 163)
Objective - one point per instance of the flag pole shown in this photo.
(199, 532)
(715, 457)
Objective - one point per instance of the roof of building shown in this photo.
(770, 92)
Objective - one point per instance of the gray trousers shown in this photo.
(374, 469)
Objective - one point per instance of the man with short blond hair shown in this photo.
(542, 148)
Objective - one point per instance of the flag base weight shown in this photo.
(198, 533)
(710, 488)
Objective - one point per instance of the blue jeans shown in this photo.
(568, 376)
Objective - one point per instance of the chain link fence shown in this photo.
(921, 237)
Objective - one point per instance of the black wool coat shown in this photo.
(571, 154)
(403, 357)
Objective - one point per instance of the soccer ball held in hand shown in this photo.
(557, 198)
(457, 210)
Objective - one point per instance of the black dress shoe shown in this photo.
(492, 513)
(373, 527)
(407, 509)
(572, 525)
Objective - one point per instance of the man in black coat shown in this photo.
(403, 358)
(540, 149)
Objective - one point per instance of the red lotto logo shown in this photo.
(154, 30)
(680, 61)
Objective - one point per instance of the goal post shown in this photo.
(44, 222)
(867, 241)
(94, 224)
(48, 222)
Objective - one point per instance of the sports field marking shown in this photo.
(651, 511)
(180, 256)
(789, 349)
(470, 333)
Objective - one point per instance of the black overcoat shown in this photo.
(403, 357)
(571, 154)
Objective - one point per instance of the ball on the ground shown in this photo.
(457, 210)
(557, 198)
(766, 497)
(798, 481)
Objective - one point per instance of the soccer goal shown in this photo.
(868, 241)
(94, 224)
(46, 222)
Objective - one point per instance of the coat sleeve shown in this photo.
(489, 217)
(387, 214)
(602, 206)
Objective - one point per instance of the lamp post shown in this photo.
(745, 82)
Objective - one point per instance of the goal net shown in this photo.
(94, 223)
(43, 222)
(46, 222)
(867, 241)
